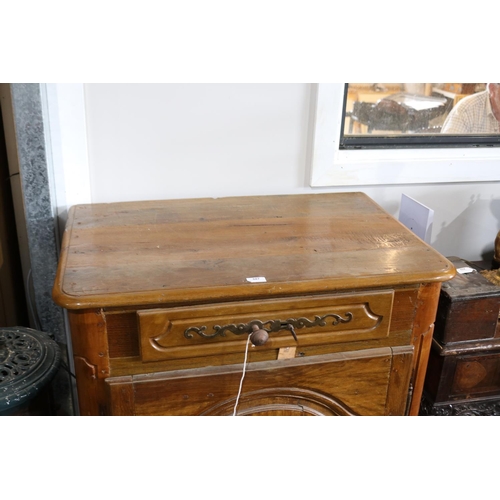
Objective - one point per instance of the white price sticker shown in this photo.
(257, 279)
(465, 270)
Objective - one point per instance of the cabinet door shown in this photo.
(368, 382)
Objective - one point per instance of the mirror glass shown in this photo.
(421, 108)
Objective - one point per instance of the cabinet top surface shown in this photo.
(181, 251)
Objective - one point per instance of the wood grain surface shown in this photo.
(178, 251)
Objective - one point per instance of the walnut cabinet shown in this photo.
(162, 297)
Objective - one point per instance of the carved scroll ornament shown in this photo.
(269, 325)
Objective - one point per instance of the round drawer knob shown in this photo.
(258, 336)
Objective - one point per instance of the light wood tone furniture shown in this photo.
(160, 306)
(460, 88)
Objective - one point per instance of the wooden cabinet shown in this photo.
(163, 295)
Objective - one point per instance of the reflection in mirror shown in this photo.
(399, 109)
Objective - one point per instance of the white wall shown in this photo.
(196, 140)
(67, 152)
(160, 141)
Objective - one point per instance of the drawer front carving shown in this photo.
(221, 329)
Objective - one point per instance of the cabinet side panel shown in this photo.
(423, 328)
(90, 352)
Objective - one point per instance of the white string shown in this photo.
(242, 377)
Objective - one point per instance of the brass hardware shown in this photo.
(269, 326)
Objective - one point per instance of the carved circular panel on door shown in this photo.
(282, 401)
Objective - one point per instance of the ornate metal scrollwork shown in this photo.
(478, 408)
(269, 326)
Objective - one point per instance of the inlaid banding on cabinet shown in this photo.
(185, 332)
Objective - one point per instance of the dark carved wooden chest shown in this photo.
(463, 375)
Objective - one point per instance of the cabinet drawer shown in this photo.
(205, 330)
